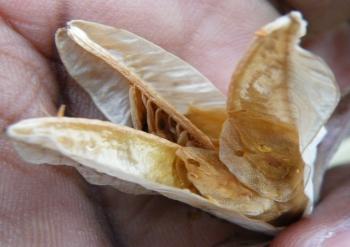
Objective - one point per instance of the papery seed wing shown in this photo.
(95, 147)
(107, 87)
(148, 65)
(315, 93)
(163, 79)
(38, 154)
(275, 110)
(102, 146)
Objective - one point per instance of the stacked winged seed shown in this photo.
(245, 158)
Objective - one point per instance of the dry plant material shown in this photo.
(273, 111)
(248, 158)
(139, 74)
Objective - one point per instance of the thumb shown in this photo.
(330, 223)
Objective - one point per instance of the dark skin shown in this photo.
(54, 206)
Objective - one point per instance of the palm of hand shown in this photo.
(49, 206)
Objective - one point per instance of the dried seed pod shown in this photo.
(107, 154)
(169, 82)
(272, 123)
(274, 110)
(102, 150)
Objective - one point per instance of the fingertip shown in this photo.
(299, 234)
(321, 15)
(36, 21)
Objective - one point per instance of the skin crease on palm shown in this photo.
(54, 206)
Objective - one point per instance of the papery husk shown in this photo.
(278, 100)
(107, 87)
(37, 154)
(214, 181)
(101, 149)
(166, 81)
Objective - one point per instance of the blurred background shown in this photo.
(342, 156)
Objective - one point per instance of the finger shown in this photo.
(338, 128)
(330, 223)
(322, 15)
(334, 178)
(210, 35)
(40, 206)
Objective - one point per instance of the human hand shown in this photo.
(54, 206)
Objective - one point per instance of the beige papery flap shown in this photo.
(108, 62)
(119, 152)
(279, 98)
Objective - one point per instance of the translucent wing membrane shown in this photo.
(105, 153)
(274, 110)
(169, 83)
(148, 65)
(106, 86)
